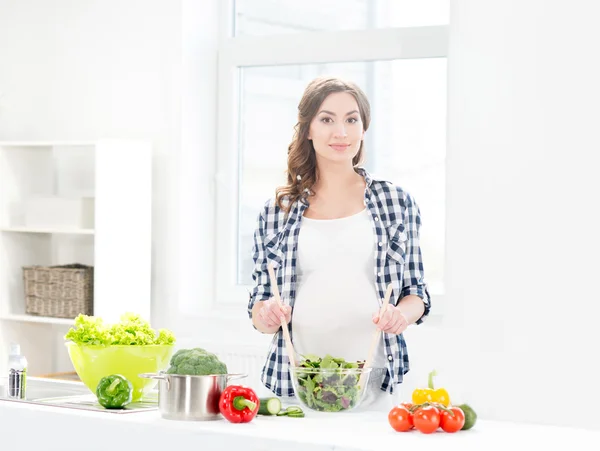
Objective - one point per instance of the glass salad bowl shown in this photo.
(333, 385)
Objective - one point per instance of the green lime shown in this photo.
(470, 416)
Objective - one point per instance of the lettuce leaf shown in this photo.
(131, 330)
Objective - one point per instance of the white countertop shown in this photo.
(30, 426)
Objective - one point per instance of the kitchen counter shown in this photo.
(30, 426)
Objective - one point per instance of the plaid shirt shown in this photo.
(396, 222)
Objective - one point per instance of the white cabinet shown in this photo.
(73, 202)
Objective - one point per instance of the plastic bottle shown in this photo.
(17, 373)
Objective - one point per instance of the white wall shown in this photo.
(522, 207)
(516, 342)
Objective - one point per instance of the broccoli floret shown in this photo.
(196, 362)
(182, 355)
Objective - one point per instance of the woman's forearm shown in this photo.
(412, 307)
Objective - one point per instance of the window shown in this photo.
(402, 69)
(270, 17)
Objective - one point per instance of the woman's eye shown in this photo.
(326, 120)
(353, 120)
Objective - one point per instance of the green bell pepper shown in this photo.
(114, 391)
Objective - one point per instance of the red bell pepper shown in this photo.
(239, 404)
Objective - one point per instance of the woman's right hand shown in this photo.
(270, 314)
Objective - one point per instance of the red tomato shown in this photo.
(427, 419)
(409, 406)
(400, 419)
(451, 423)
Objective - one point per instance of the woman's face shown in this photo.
(337, 129)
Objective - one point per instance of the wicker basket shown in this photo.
(59, 291)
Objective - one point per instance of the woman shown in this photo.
(336, 238)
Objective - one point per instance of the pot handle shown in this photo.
(158, 376)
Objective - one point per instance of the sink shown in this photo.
(41, 388)
(74, 395)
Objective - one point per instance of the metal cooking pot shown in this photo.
(190, 398)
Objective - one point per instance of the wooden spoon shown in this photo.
(377, 333)
(284, 326)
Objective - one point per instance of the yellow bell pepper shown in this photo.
(431, 394)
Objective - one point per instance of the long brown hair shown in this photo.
(302, 161)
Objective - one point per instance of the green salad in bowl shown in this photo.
(329, 384)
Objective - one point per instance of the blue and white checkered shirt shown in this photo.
(396, 222)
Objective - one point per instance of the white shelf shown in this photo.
(38, 319)
(117, 174)
(47, 230)
(46, 143)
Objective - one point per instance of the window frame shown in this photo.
(236, 52)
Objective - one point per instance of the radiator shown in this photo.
(244, 360)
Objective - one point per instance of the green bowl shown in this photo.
(92, 363)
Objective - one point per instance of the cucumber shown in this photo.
(269, 406)
(292, 412)
(295, 412)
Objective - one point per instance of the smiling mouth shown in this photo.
(339, 146)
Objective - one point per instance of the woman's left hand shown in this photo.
(392, 321)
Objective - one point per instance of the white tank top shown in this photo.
(335, 289)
